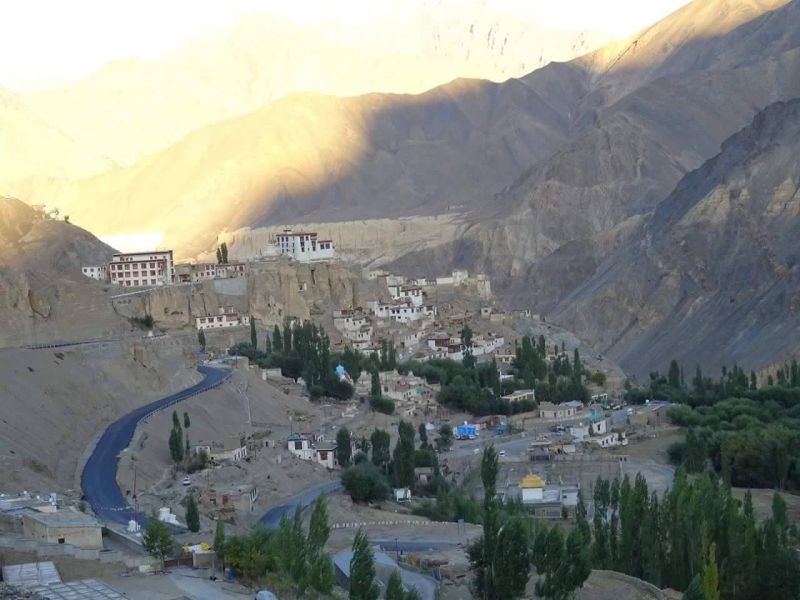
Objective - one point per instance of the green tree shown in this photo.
(403, 456)
(321, 575)
(186, 421)
(674, 375)
(176, 448)
(445, 439)
(362, 570)
(176, 422)
(394, 587)
(201, 339)
(219, 542)
(224, 253)
(423, 435)
(375, 384)
(711, 575)
(381, 454)
(219, 255)
(365, 482)
(318, 529)
(192, 514)
(277, 341)
(157, 540)
(695, 454)
(343, 448)
(253, 335)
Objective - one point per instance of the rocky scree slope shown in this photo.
(713, 274)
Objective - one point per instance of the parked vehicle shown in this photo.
(186, 480)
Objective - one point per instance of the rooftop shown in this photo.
(531, 481)
(64, 518)
(85, 589)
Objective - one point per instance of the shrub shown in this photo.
(365, 482)
(382, 405)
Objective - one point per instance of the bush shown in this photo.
(382, 405)
(365, 482)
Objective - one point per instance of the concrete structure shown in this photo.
(195, 273)
(226, 317)
(63, 527)
(423, 474)
(137, 269)
(100, 272)
(84, 589)
(233, 448)
(548, 410)
(241, 498)
(400, 311)
(597, 424)
(612, 440)
(532, 487)
(325, 454)
(519, 395)
(402, 495)
(349, 320)
(304, 246)
(410, 293)
(31, 574)
(300, 446)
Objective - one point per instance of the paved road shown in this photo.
(273, 516)
(99, 477)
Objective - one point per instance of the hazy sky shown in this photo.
(57, 40)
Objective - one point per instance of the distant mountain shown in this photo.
(30, 147)
(132, 108)
(713, 274)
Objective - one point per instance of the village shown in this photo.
(273, 443)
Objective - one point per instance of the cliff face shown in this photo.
(270, 292)
(712, 276)
(43, 294)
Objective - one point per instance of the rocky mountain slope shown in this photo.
(43, 294)
(713, 275)
(132, 108)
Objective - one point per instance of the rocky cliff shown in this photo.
(270, 292)
(712, 275)
(43, 294)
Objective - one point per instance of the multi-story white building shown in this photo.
(400, 312)
(138, 269)
(412, 293)
(227, 317)
(349, 320)
(100, 273)
(304, 246)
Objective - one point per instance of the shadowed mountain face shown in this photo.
(550, 174)
(713, 274)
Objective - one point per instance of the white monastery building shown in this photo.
(304, 246)
(227, 317)
(138, 269)
(100, 273)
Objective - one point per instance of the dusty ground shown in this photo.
(56, 402)
(762, 503)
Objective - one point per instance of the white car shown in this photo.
(186, 481)
(501, 453)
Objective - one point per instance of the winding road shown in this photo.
(99, 476)
(301, 501)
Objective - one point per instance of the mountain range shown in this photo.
(555, 180)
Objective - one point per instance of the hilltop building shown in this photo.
(227, 317)
(304, 246)
(99, 272)
(138, 269)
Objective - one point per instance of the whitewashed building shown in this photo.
(137, 269)
(304, 246)
(411, 293)
(227, 317)
(100, 272)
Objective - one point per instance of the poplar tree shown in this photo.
(253, 336)
(277, 342)
(362, 570)
(192, 514)
(381, 454)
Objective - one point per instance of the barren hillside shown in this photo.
(712, 276)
